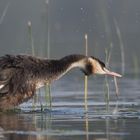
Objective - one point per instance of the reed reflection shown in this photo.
(24, 126)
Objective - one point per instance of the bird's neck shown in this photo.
(54, 69)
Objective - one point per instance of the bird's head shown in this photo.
(95, 66)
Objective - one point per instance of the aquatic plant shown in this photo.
(31, 37)
(118, 32)
(86, 92)
(48, 97)
(86, 78)
(33, 53)
(136, 65)
(4, 12)
(47, 87)
(106, 87)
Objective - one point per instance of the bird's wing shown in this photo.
(15, 87)
(5, 77)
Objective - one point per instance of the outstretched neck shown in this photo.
(57, 68)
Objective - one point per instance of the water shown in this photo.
(68, 118)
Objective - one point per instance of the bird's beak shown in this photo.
(111, 73)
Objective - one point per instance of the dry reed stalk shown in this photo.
(108, 56)
(116, 86)
(86, 92)
(106, 90)
(4, 12)
(33, 53)
(48, 86)
(48, 97)
(86, 78)
(31, 37)
(121, 45)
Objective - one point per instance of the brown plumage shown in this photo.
(21, 75)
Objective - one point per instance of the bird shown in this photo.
(21, 75)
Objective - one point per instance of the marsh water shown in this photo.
(114, 120)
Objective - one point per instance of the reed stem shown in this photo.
(107, 98)
(48, 96)
(48, 86)
(4, 12)
(116, 86)
(136, 65)
(33, 53)
(108, 56)
(31, 37)
(121, 45)
(86, 92)
(86, 78)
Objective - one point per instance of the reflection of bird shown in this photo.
(21, 75)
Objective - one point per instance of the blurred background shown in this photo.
(59, 26)
(55, 28)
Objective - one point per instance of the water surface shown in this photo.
(68, 119)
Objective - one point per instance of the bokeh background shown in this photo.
(61, 25)
(58, 28)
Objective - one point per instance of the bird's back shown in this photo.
(16, 85)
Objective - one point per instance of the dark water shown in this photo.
(68, 119)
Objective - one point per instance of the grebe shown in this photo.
(21, 75)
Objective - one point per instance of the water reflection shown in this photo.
(24, 126)
(42, 126)
(87, 126)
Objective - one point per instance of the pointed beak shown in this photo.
(111, 73)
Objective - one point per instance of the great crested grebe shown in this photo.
(21, 75)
